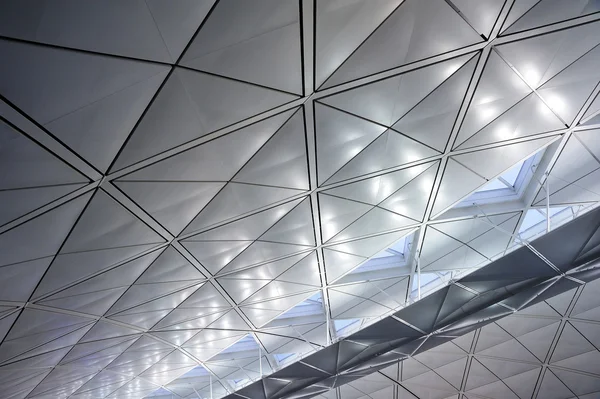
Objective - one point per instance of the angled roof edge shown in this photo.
(556, 262)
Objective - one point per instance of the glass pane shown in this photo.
(532, 218)
(492, 185)
(511, 175)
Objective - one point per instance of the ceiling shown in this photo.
(549, 350)
(209, 190)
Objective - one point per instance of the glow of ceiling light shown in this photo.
(487, 112)
(452, 68)
(426, 184)
(543, 109)
(329, 229)
(555, 102)
(504, 133)
(531, 75)
(399, 209)
(375, 186)
(485, 100)
(353, 151)
(304, 241)
(342, 255)
(414, 171)
(386, 189)
(411, 157)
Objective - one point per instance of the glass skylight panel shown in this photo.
(395, 255)
(507, 180)
(510, 176)
(508, 186)
(399, 246)
(426, 279)
(345, 327)
(495, 184)
(532, 218)
(310, 306)
(283, 358)
(244, 344)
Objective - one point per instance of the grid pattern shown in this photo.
(188, 185)
(544, 270)
(549, 350)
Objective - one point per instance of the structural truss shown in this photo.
(196, 194)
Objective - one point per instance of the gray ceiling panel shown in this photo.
(341, 199)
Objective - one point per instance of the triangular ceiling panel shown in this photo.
(248, 228)
(529, 117)
(340, 259)
(575, 162)
(158, 296)
(528, 14)
(255, 43)
(457, 182)
(178, 22)
(183, 109)
(106, 224)
(337, 263)
(386, 101)
(100, 90)
(340, 136)
(338, 213)
(262, 312)
(296, 227)
(36, 176)
(389, 150)
(408, 35)
(282, 160)
(592, 110)
(109, 27)
(552, 387)
(431, 121)
(170, 266)
(376, 204)
(173, 204)
(341, 27)
(260, 252)
(35, 328)
(367, 299)
(30, 240)
(542, 57)
(237, 199)
(473, 169)
(375, 221)
(580, 384)
(63, 272)
(274, 164)
(481, 14)
(206, 161)
(105, 234)
(375, 190)
(498, 89)
(214, 255)
(17, 281)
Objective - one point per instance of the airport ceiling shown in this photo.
(201, 190)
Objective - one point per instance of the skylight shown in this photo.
(346, 327)
(534, 223)
(506, 180)
(509, 185)
(388, 258)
